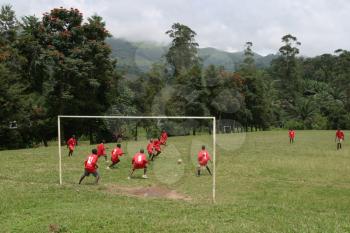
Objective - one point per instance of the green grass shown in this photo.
(263, 185)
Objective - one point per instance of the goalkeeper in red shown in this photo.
(203, 158)
(139, 161)
(71, 143)
(90, 165)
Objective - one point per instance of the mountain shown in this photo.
(138, 57)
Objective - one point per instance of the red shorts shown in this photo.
(71, 148)
(139, 165)
(157, 149)
(203, 163)
(115, 160)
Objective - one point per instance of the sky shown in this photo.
(320, 25)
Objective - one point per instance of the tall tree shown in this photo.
(182, 54)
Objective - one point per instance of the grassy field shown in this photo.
(264, 184)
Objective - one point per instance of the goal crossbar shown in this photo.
(141, 117)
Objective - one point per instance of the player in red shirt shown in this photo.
(150, 149)
(101, 150)
(115, 154)
(139, 161)
(291, 134)
(157, 148)
(71, 145)
(163, 138)
(339, 138)
(203, 158)
(90, 165)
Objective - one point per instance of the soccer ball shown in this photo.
(179, 161)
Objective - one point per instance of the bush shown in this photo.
(319, 122)
(294, 124)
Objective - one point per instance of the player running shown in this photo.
(157, 148)
(163, 138)
(71, 143)
(101, 150)
(339, 138)
(115, 154)
(91, 166)
(150, 149)
(203, 158)
(291, 134)
(139, 161)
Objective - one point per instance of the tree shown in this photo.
(182, 54)
(74, 61)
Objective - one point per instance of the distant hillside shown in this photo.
(138, 57)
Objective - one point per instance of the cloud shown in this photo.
(320, 25)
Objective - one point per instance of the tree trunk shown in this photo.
(45, 142)
(91, 137)
(136, 132)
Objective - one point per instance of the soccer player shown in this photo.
(163, 138)
(91, 166)
(150, 149)
(101, 150)
(71, 145)
(291, 133)
(157, 148)
(339, 138)
(115, 154)
(203, 158)
(139, 161)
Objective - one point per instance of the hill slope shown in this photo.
(136, 57)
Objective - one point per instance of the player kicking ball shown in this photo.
(91, 166)
(339, 138)
(71, 145)
(139, 161)
(291, 134)
(115, 154)
(101, 150)
(203, 158)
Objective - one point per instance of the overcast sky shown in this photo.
(322, 26)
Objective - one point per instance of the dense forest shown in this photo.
(61, 64)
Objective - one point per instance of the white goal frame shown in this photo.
(59, 117)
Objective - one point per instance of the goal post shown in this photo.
(59, 117)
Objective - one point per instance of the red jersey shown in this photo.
(163, 138)
(101, 150)
(139, 159)
(90, 163)
(156, 144)
(71, 143)
(150, 147)
(203, 157)
(291, 133)
(116, 153)
(340, 134)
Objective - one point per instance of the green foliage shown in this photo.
(182, 54)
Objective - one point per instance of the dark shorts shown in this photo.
(87, 173)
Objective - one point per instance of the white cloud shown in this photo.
(320, 25)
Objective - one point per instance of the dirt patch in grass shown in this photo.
(148, 192)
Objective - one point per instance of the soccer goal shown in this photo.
(212, 131)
